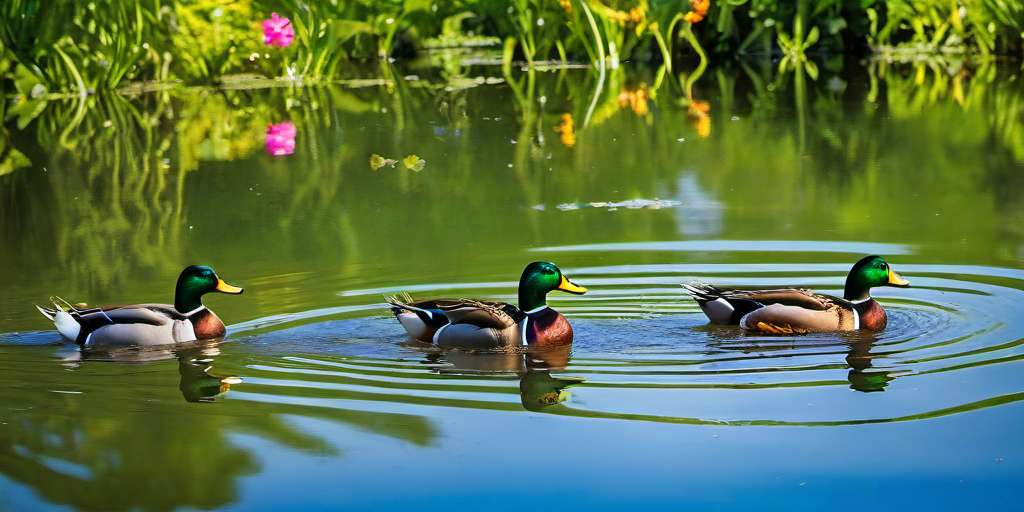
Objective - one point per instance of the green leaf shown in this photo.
(15, 160)
(350, 28)
(25, 82)
(835, 25)
(812, 38)
(26, 111)
(452, 25)
(812, 70)
(784, 64)
(415, 5)
(784, 41)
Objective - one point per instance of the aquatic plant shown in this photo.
(795, 46)
(78, 47)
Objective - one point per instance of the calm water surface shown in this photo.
(315, 399)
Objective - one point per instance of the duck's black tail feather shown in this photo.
(403, 302)
(719, 305)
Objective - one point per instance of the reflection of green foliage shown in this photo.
(166, 453)
(10, 158)
(222, 126)
(122, 189)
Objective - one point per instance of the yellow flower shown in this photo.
(699, 112)
(566, 5)
(703, 126)
(699, 9)
(414, 163)
(566, 131)
(377, 161)
(635, 99)
(637, 14)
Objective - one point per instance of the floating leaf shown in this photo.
(414, 163)
(377, 161)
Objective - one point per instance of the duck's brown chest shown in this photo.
(548, 328)
(872, 316)
(207, 325)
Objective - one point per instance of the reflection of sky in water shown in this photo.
(57, 465)
(610, 467)
(700, 215)
(16, 496)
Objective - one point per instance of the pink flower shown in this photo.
(281, 138)
(278, 31)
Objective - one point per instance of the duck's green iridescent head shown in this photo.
(196, 281)
(869, 272)
(539, 278)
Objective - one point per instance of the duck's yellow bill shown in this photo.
(571, 287)
(897, 280)
(227, 288)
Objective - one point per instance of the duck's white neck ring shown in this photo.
(860, 301)
(194, 311)
(536, 310)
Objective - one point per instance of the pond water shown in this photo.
(316, 399)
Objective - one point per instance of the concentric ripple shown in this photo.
(644, 351)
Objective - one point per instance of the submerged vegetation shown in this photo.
(82, 47)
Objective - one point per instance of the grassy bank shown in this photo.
(75, 47)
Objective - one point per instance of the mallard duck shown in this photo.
(793, 311)
(471, 323)
(146, 324)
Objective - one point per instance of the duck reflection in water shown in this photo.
(197, 384)
(195, 361)
(859, 358)
(862, 375)
(538, 389)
